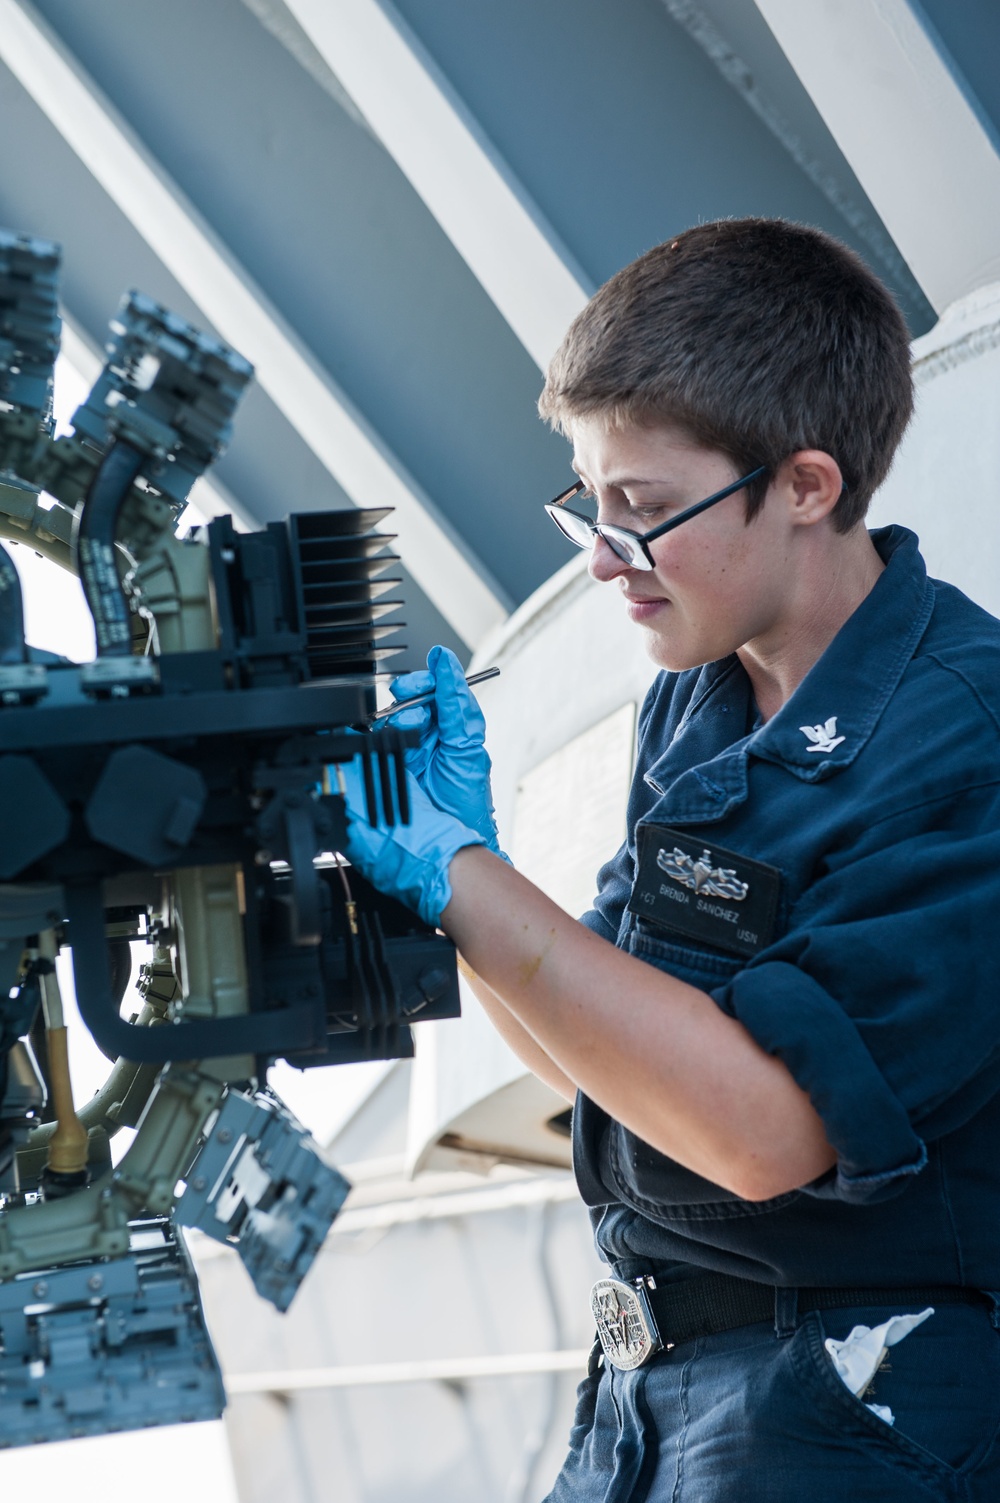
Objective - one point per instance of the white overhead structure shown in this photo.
(914, 141)
(944, 480)
(501, 235)
(427, 1370)
(294, 380)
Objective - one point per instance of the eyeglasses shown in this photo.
(631, 547)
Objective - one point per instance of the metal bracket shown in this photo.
(107, 1346)
(261, 1185)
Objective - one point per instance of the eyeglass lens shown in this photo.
(576, 528)
(628, 549)
(583, 533)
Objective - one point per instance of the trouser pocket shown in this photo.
(941, 1385)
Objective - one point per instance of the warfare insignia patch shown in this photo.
(705, 892)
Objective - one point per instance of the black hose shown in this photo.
(94, 548)
(120, 968)
(300, 1026)
(12, 648)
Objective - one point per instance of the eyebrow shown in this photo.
(623, 482)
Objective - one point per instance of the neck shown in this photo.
(828, 589)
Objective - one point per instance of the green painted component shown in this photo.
(32, 1159)
(168, 1135)
(93, 1223)
(45, 532)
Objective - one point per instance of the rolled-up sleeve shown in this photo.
(882, 998)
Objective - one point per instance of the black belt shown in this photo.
(636, 1319)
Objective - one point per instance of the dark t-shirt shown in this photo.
(856, 836)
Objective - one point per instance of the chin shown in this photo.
(673, 661)
(672, 656)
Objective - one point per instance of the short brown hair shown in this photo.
(759, 338)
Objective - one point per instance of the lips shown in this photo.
(642, 608)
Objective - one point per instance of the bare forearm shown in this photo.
(658, 1055)
(517, 1037)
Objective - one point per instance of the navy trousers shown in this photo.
(759, 1415)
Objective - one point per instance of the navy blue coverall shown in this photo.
(864, 818)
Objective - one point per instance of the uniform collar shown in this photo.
(834, 709)
(830, 717)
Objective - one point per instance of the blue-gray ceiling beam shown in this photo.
(286, 369)
(275, 16)
(499, 232)
(326, 224)
(738, 42)
(618, 123)
(968, 37)
(611, 126)
(916, 140)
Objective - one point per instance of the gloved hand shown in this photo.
(409, 862)
(451, 764)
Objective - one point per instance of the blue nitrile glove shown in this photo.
(409, 862)
(451, 764)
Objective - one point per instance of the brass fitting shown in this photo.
(68, 1144)
(67, 1153)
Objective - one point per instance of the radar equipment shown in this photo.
(175, 792)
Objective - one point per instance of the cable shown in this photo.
(94, 548)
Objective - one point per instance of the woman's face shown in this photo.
(719, 582)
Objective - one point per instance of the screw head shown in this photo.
(95, 1282)
(40, 1290)
(224, 1135)
(199, 1183)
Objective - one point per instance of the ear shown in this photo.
(811, 484)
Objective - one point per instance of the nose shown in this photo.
(605, 564)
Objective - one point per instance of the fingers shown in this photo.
(407, 685)
(417, 718)
(460, 720)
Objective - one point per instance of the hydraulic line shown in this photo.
(94, 548)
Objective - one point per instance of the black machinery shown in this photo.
(180, 792)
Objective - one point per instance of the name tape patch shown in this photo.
(705, 892)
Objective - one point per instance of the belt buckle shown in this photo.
(626, 1326)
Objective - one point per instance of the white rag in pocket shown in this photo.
(856, 1358)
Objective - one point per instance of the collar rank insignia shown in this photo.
(701, 876)
(823, 738)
